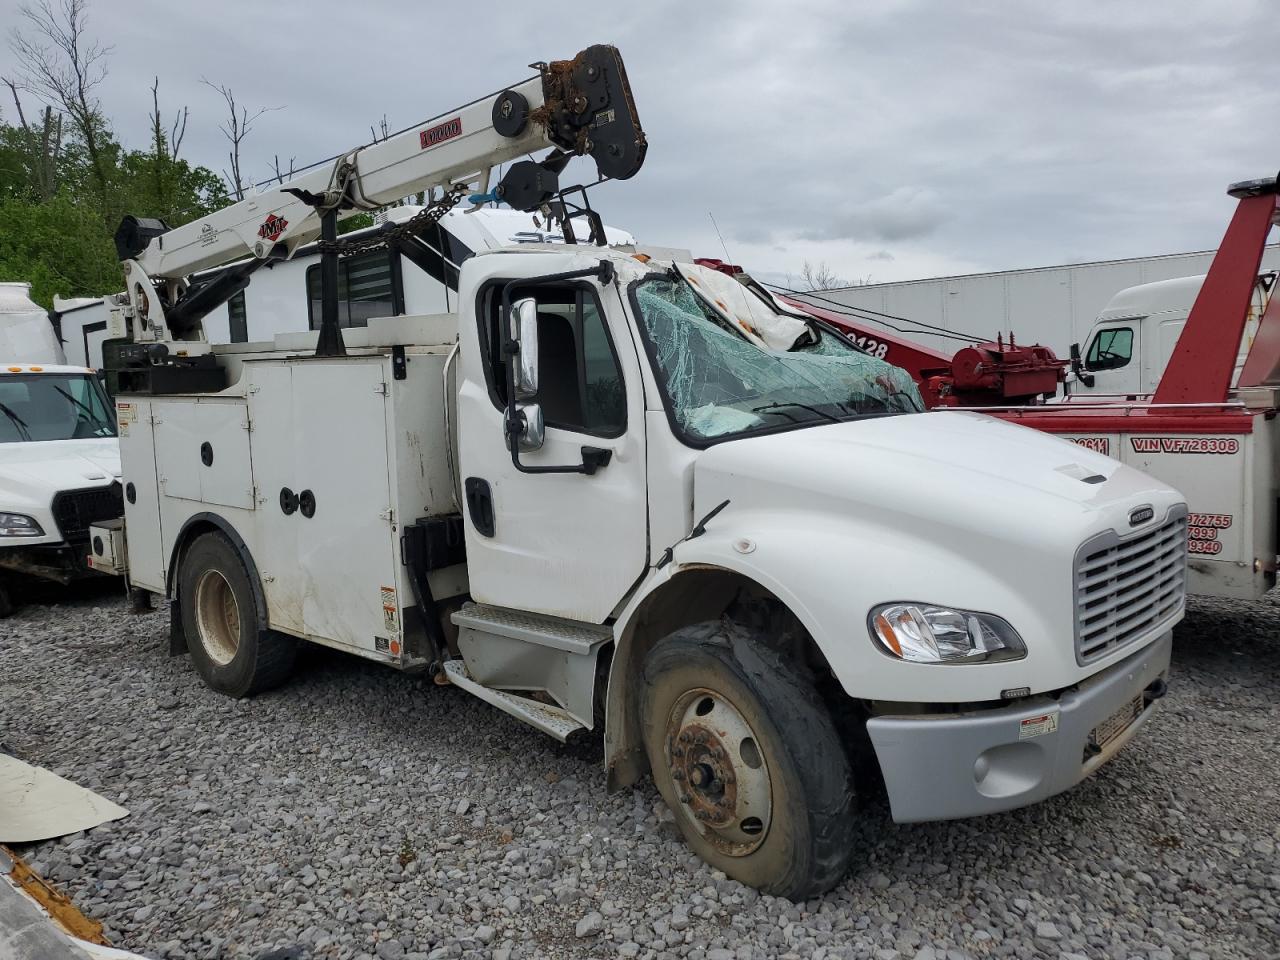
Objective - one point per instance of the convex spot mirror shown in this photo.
(524, 331)
(532, 429)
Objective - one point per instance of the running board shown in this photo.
(512, 650)
(544, 716)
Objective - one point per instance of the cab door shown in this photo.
(562, 544)
(1113, 357)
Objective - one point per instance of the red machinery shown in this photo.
(984, 374)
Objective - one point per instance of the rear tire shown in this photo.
(220, 619)
(747, 756)
(7, 606)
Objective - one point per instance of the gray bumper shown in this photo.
(945, 766)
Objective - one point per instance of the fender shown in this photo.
(180, 542)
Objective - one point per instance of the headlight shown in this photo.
(925, 634)
(19, 525)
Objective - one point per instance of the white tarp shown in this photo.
(37, 804)
(26, 335)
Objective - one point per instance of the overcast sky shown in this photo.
(892, 139)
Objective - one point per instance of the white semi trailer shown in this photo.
(614, 492)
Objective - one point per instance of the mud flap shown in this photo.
(177, 638)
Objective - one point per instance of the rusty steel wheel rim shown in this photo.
(217, 617)
(719, 772)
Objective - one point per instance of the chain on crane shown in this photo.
(426, 217)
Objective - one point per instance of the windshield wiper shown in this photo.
(783, 405)
(18, 422)
(88, 414)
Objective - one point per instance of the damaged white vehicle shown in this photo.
(616, 492)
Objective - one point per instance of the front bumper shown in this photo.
(59, 562)
(946, 766)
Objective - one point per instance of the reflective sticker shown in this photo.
(1038, 726)
(389, 608)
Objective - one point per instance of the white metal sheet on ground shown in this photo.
(37, 804)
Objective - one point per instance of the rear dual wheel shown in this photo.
(746, 754)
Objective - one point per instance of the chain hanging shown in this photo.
(427, 216)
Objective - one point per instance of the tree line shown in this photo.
(66, 179)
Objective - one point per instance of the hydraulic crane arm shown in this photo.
(580, 107)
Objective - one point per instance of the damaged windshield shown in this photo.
(718, 384)
(53, 406)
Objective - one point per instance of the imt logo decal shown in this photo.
(441, 132)
(272, 227)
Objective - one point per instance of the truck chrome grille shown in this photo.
(1125, 586)
(75, 510)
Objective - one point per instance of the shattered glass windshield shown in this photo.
(719, 385)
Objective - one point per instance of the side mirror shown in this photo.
(1077, 366)
(530, 429)
(524, 331)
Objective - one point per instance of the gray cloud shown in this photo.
(967, 136)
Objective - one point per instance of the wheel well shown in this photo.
(695, 596)
(195, 527)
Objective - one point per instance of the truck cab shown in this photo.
(1130, 344)
(59, 473)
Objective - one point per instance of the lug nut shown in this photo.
(677, 774)
(685, 798)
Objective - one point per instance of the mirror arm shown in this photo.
(593, 458)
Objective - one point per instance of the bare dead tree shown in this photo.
(385, 129)
(165, 142)
(43, 144)
(240, 122)
(63, 67)
(282, 175)
(821, 277)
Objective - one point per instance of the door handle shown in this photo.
(479, 499)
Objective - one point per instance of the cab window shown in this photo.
(579, 379)
(1110, 349)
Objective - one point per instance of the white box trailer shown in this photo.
(1055, 306)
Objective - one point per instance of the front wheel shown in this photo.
(745, 753)
(220, 621)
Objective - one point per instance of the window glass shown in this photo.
(237, 319)
(1110, 349)
(49, 406)
(365, 289)
(580, 384)
(720, 385)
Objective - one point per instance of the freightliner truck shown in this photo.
(622, 494)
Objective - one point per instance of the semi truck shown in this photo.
(617, 493)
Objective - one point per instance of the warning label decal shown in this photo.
(1037, 726)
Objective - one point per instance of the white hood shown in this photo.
(31, 473)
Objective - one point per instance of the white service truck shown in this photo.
(59, 462)
(625, 494)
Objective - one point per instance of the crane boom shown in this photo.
(580, 107)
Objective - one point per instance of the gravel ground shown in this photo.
(361, 813)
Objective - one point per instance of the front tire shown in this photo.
(745, 753)
(220, 620)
